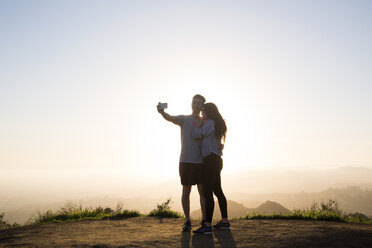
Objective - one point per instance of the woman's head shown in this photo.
(210, 111)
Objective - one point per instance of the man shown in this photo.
(190, 159)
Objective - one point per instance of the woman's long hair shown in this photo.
(212, 113)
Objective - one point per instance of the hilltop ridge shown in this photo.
(154, 232)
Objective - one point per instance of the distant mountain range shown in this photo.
(350, 186)
(236, 210)
(351, 199)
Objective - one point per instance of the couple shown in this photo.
(200, 161)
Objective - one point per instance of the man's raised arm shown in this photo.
(168, 117)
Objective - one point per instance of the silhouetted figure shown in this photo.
(191, 160)
(212, 132)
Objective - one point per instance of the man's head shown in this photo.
(197, 103)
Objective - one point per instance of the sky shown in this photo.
(80, 81)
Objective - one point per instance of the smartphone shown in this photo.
(162, 106)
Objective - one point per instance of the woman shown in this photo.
(213, 134)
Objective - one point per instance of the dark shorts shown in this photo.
(190, 174)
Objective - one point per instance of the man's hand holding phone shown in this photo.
(161, 107)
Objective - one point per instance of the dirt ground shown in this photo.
(153, 232)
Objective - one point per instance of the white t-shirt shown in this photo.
(190, 148)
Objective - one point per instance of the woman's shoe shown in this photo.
(223, 226)
(204, 230)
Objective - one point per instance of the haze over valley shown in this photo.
(21, 198)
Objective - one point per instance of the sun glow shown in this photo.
(82, 96)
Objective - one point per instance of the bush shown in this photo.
(72, 213)
(328, 211)
(5, 225)
(164, 211)
(124, 214)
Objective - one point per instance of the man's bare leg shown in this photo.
(185, 199)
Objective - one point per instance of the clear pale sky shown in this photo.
(79, 82)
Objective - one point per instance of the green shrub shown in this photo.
(164, 211)
(72, 213)
(124, 214)
(327, 211)
(5, 225)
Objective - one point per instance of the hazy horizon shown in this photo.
(252, 188)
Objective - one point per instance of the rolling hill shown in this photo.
(236, 210)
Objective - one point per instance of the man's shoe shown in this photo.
(223, 226)
(204, 230)
(186, 226)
